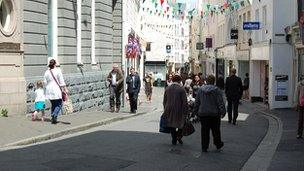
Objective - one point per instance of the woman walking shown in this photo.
(175, 109)
(148, 86)
(55, 85)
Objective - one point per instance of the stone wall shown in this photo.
(86, 91)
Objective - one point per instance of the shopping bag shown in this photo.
(67, 107)
(188, 128)
(163, 125)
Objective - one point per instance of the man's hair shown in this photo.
(176, 78)
(233, 71)
(246, 74)
(210, 79)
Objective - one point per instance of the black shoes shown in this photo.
(220, 146)
(204, 150)
(299, 136)
(174, 142)
(54, 120)
(180, 141)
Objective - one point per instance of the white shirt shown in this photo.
(114, 79)
(40, 97)
(52, 90)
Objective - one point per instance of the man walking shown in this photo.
(210, 107)
(234, 91)
(115, 79)
(133, 83)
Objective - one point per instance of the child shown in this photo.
(39, 101)
(191, 101)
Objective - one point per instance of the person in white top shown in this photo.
(55, 85)
(39, 101)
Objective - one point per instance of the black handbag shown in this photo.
(188, 128)
(163, 125)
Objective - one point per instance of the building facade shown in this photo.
(272, 59)
(80, 35)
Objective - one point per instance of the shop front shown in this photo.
(259, 74)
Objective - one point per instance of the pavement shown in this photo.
(19, 130)
(262, 139)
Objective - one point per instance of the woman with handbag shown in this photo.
(55, 89)
(175, 109)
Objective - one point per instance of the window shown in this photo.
(257, 33)
(264, 23)
(244, 33)
(148, 48)
(7, 18)
(248, 16)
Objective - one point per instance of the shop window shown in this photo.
(7, 18)
(148, 48)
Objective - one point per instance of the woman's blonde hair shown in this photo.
(39, 84)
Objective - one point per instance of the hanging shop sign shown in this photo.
(208, 42)
(234, 34)
(199, 46)
(251, 25)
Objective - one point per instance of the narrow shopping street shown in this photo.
(136, 144)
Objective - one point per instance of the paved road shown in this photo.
(135, 144)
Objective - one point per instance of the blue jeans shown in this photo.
(56, 107)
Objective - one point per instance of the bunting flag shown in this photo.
(180, 9)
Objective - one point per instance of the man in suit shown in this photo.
(133, 88)
(234, 91)
(115, 79)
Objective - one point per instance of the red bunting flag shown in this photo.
(162, 2)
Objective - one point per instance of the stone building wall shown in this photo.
(86, 83)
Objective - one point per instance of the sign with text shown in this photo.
(282, 88)
(251, 25)
(234, 34)
(199, 46)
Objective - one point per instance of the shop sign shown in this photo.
(208, 42)
(199, 46)
(234, 34)
(282, 87)
(251, 25)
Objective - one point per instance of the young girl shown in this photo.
(39, 101)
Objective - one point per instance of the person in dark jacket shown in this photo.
(246, 86)
(210, 107)
(175, 108)
(133, 88)
(196, 85)
(234, 91)
(115, 79)
(220, 82)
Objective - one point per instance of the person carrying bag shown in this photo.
(54, 82)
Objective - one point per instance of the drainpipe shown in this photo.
(123, 60)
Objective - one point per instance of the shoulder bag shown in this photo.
(64, 94)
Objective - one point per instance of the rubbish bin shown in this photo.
(158, 82)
